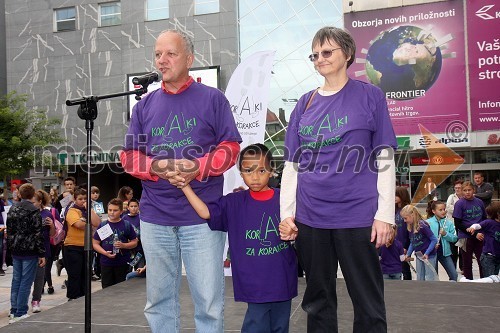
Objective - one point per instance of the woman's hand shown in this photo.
(381, 232)
(288, 229)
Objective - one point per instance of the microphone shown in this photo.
(146, 78)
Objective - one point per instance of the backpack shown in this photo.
(60, 232)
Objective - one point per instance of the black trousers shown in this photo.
(320, 251)
(74, 262)
(111, 275)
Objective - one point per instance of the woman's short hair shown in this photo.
(341, 37)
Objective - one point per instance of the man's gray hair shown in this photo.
(188, 41)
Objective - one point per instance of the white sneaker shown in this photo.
(16, 319)
(4, 267)
(35, 306)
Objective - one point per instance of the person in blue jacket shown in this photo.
(445, 232)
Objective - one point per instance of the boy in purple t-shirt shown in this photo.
(113, 240)
(251, 219)
(490, 258)
(469, 210)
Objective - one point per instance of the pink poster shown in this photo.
(483, 25)
(416, 55)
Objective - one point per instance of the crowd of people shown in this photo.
(452, 233)
(371, 230)
(43, 226)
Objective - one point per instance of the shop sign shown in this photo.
(437, 160)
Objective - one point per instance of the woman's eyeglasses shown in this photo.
(325, 54)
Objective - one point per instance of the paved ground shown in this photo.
(48, 301)
(59, 297)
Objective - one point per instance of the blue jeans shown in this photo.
(490, 264)
(424, 273)
(267, 317)
(201, 250)
(447, 263)
(22, 278)
(394, 276)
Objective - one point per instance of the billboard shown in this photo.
(483, 27)
(416, 55)
(207, 75)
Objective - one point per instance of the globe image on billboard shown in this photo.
(404, 58)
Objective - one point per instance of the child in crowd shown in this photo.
(41, 201)
(133, 217)
(421, 239)
(490, 258)
(73, 249)
(25, 241)
(114, 245)
(402, 199)
(391, 256)
(445, 232)
(251, 219)
(469, 210)
(96, 205)
(125, 193)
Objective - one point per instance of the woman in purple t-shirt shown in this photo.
(338, 204)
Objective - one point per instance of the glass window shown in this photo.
(156, 10)
(65, 19)
(110, 14)
(206, 6)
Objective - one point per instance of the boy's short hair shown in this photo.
(80, 191)
(134, 200)
(116, 202)
(27, 191)
(70, 178)
(94, 189)
(256, 150)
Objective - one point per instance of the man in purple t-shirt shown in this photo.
(183, 133)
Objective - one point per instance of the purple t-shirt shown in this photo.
(491, 231)
(422, 239)
(135, 221)
(126, 233)
(470, 212)
(390, 260)
(264, 266)
(335, 143)
(402, 232)
(186, 125)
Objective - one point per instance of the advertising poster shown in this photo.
(416, 55)
(483, 26)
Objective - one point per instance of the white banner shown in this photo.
(247, 92)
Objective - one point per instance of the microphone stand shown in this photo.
(88, 112)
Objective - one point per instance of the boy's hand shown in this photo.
(48, 222)
(41, 262)
(110, 255)
(425, 257)
(480, 237)
(141, 270)
(119, 245)
(408, 259)
(288, 229)
(470, 230)
(442, 232)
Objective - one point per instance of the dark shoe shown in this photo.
(50, 290)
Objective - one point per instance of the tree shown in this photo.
(22, 131)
